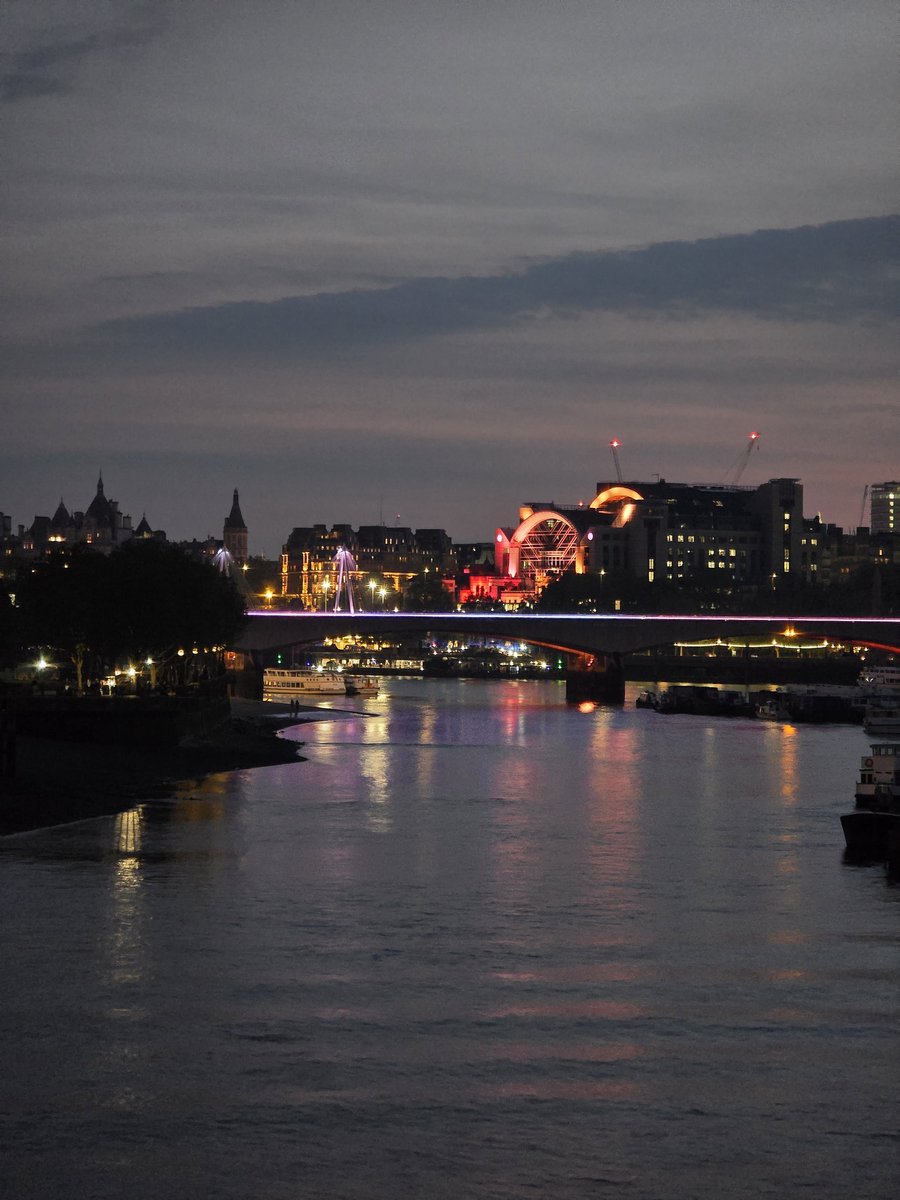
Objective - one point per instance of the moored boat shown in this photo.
(874, 827)
(293, 681)
(880, 679)
(773, 708)
(882, 719)
(361, 685)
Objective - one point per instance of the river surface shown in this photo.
(480, 944)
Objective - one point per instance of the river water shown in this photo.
(480, 944)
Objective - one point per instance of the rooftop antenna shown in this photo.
(614, 446)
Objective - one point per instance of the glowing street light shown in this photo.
(372, 586)
(382, 592)
(326, 584)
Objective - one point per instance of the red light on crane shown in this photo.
(614, 446)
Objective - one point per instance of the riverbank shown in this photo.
(59, 781)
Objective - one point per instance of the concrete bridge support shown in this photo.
(595, 677)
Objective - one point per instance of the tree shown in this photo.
(425, 592)
(144, 601)
(64, 607)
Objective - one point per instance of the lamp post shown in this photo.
(326, 584)
(382, 592)
(372, 586)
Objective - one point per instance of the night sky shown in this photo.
(369, 260)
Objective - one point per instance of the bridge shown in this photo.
(598, 636)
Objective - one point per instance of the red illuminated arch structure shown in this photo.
(550, 541)
(617, 501)
(546, 543)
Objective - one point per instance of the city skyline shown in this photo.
(369, 260)
(876, 494)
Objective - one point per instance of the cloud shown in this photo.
(841, 271)
(50, 67)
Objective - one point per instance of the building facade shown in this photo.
(885, 501)
(710, 536)
(101, 526)
(384, 559)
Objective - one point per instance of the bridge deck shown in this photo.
(589, 634)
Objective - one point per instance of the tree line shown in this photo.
(142, 603)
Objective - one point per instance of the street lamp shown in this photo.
(372, 586)
(326, 584)
(382, 592)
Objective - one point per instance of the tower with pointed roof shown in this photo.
(102, 525)
(234, 535)
(61, 524)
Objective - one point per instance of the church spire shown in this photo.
(234, 535)
(235, 520)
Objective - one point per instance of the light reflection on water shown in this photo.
(480, 944)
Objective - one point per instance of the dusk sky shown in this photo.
(368, 259)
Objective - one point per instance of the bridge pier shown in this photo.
(595, 677)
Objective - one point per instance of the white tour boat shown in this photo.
(294, 681)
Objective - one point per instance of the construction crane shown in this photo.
(862, 507)
(614, 446)
(736, 470)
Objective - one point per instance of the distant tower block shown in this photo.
(885, 499)
(235, 533)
